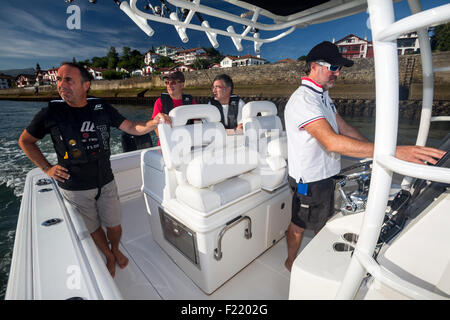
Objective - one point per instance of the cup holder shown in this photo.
(350, 237)
(342, 247)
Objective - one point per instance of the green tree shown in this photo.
(136, 59)
(214, 55)
(165, 62)
(125, 53)
(201, 64)
(112, 58)
(100, 62)
(85, 62)
(302, 58)
(113, 75)
(441, 37)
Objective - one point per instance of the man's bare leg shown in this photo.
(294, 238)
(100, 240)
(114, 234)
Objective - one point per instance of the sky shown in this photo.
(36, 32)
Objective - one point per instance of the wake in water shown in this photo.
(9, 209)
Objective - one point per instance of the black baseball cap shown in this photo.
(328, 52)
(176, 75)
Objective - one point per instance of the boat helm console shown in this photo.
(354, 201)
(406, 206)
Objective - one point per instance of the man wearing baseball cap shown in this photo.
(317, 136)
(174, 96)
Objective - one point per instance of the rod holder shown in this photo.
(140, 22)
(181, 31)
(236, 41)
(257, 45)
(212, 37)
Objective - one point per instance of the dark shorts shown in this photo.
(313, 210)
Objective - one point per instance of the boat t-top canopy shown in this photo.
(286, 16)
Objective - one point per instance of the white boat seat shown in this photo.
(209, 168)
(218, 195)
(208, 174)
(265, 134)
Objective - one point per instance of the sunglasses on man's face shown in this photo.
(173, 82)
(330, 67)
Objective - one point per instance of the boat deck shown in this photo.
(153, 275)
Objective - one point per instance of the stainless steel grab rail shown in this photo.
(230, 224)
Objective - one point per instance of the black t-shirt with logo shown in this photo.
(82, 176)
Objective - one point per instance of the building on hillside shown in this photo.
(214, 66)
(408, 44)
(148, 70)
(183, 68)
(247, 60)
(25, 80)
(40, 75)
(96, 73)
(166, 51)
(138, 72)
(6, 81)
(123, 70)
(188, 56)
(164, 70)
(151, 57)
(352, 46)
(287, 60)
(50, 75)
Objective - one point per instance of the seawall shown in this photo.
(354, 92)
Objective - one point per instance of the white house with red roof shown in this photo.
(247, 60)
(50, 75)
(165, 70)
(352, 46)
(148, 70)
(183, 68)
(151, 57)
(97, 73)
(25, 80)
(214, 66)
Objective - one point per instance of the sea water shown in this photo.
(14, 165)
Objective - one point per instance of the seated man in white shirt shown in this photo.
(229, 104)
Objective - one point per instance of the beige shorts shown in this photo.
(105, 210)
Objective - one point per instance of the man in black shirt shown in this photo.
(79, 127)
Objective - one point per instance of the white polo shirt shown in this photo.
(309, 160)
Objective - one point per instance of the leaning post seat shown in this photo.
(208, 175)
(264, 132)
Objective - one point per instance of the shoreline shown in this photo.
(408, 109)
